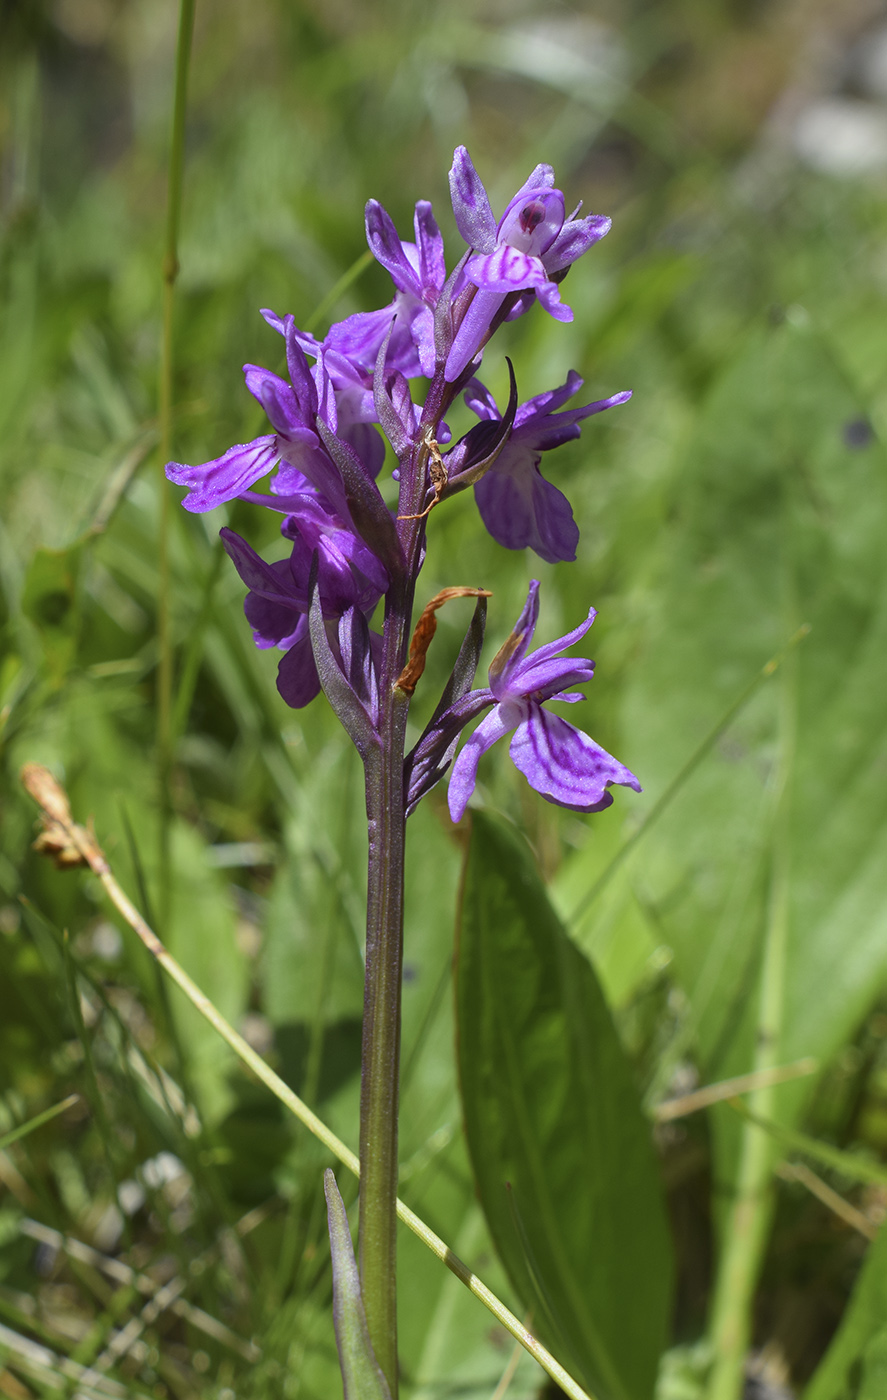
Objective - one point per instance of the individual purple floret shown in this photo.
(349, 577)
(559, 761)
(293, 409)
(418, 272)
(518, 506)
(352, 389)
(532, 243)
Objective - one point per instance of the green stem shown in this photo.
(164, 737)
(382, 998)
(748, 1222)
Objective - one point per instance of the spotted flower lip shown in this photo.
(522, 253)
(564, 765)
(518, 506)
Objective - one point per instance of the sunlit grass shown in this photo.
(746, 311)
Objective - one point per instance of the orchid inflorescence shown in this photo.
(348, 550)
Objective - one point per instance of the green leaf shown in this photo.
(858, 1353)
(776, 520)
(24, 1129)
(874, 1368)
(562, 1154)
(51, 600)
(361, 1374)
(202, 935)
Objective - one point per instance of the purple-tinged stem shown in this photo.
(386, 819)
(380, 1056)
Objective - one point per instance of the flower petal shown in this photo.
(533, 220)
(543, 404)
(273, 624)
(471, 333)
(278, 400)
(471, 206)
(273, 581)
(549, 678)
(550, 297)
(464, 775)
(574, 239)
(544, 653)
(479, 399)
(522, 510)
(506, 270)
(430, 246)
(565, 765)
(299, 372)
(387, 248)
(213, 483)
(297, 678)
(506, 663)
(358, 337)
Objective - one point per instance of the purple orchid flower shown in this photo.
(323, 391)
(418, 272)
(564, 765)
(532, 243)
(518, 506)
(349, 579)
(352, 388)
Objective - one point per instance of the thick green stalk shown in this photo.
(380, 1055)
(747, 1226)
(382, 998)
(164, 735)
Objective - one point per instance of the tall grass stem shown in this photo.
(55, 806)
(748, 1222)
(170, 270)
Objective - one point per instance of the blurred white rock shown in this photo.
(871, 63)
(842, 136)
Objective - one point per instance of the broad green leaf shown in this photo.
(562, 1154)
(859, 1348)
(778, 519)
(445, 1341)
(874, 1368)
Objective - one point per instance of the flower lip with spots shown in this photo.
(532, 242)
(562, 763)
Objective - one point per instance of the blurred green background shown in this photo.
(741, 149)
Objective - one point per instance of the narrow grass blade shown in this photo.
(53, 800)
(32, 1124)
(847, 1163)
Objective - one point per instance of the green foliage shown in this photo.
(741, 492)
(777, 521)
(561, 1152)
(853, 1368)
(50, 600)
